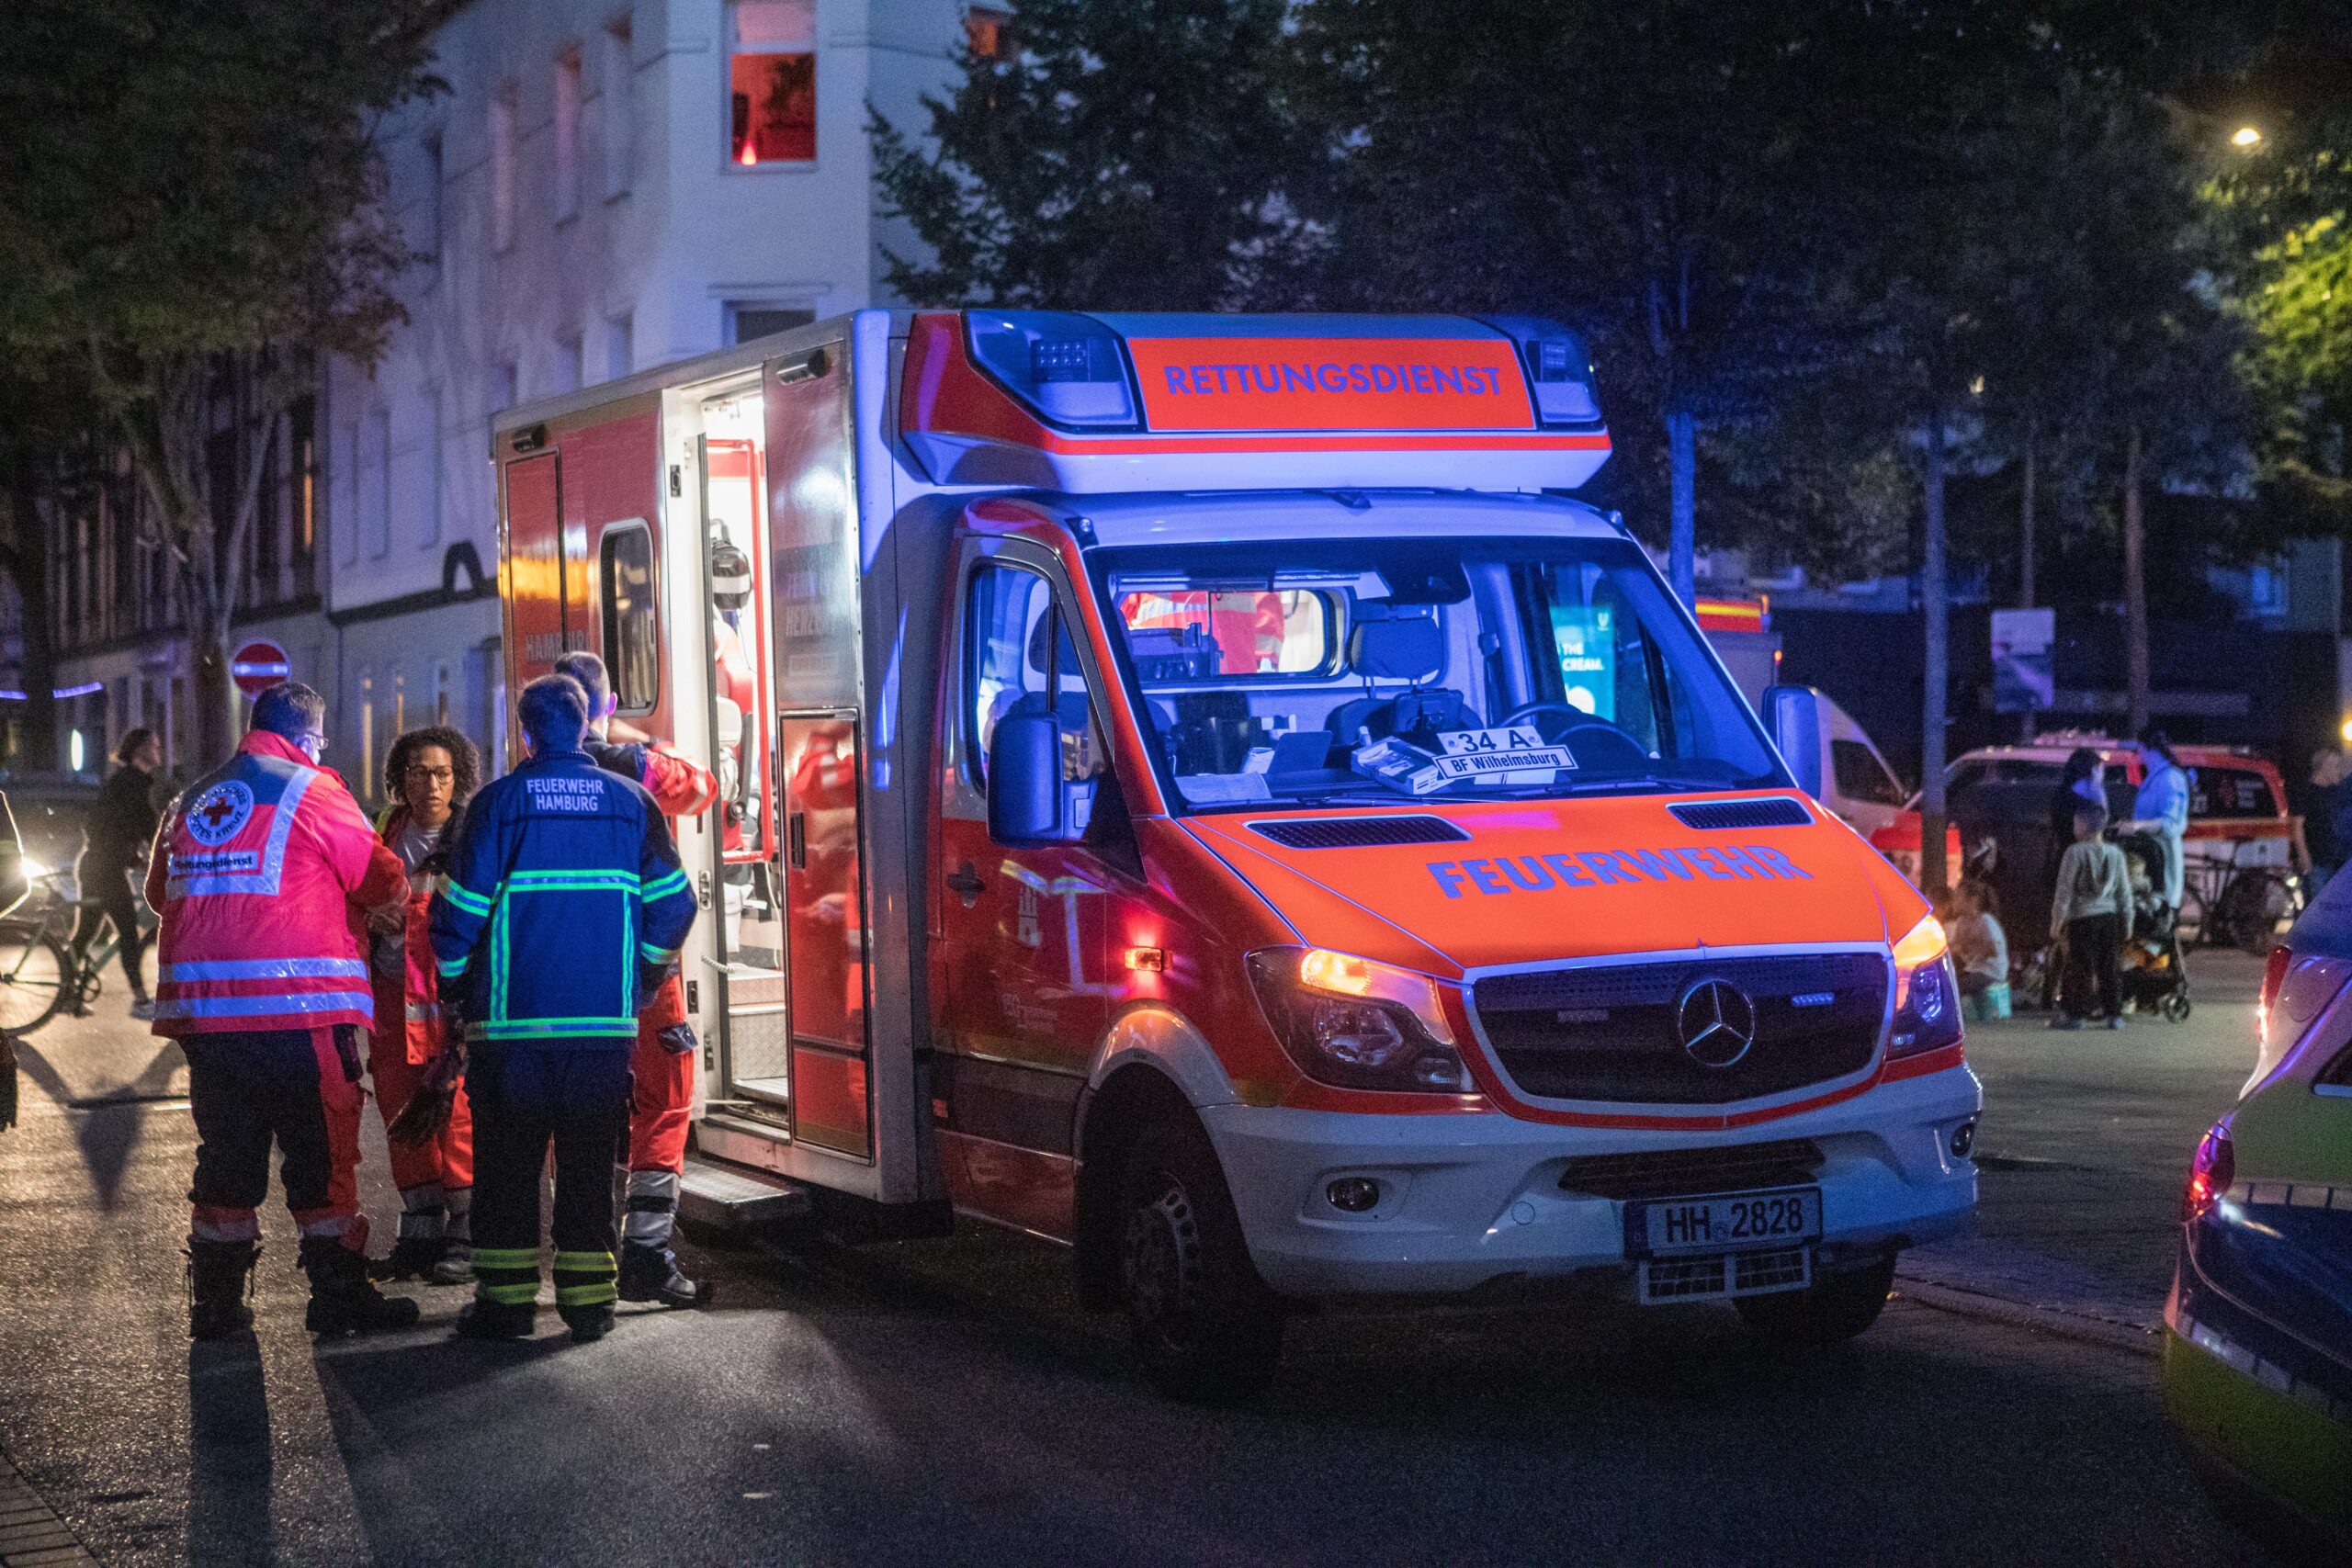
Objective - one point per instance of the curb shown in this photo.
(2116, 1336)
(31, 1535)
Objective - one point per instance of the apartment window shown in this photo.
(376, 482)
(303, 492)
(747, 319)
(346, 543)
(620, 108)
(569, 368)
(428, 523)
(632, 624)
(620, 347)
(501, 168)
(367, 781)
(441, 694)
(988, 33)
(428, 205)
(772, 81)
(566, 136)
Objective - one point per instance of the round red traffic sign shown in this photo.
(259, 665)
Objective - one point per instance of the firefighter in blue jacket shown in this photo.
(563, 913)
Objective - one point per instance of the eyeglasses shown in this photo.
(433, 776)
(313, 742)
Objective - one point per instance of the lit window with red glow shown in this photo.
(772, 82)
(988, 33)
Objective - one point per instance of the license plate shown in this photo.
(1729, 1222)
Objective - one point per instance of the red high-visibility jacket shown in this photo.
(259, 870)
(408, 1001)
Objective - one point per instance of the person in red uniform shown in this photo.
(662, 1065)
(264, 870)
(430, 773)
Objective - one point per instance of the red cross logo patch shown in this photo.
(220, 812)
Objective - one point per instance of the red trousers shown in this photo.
(662, 1102)
(447, 1162)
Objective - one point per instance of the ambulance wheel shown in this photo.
(1206, 1326)
(1835, 1307)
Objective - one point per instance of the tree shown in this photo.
(187, 201)
(1629, 169)
(1133, 156)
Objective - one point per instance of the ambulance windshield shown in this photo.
(1379, 669)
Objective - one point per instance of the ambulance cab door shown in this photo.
(1019, 987)
(534, 565)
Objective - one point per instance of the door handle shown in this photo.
(965, 883)
(796, 832)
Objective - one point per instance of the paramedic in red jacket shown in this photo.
(430, 773)
(262, 872)
(662, 1067)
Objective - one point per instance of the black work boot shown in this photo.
(411, 1257)
(588, 1324)
(651, 1274)
(342, 1299)
(496, 1320)
(218, 1274)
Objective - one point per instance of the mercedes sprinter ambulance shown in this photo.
(1194, 788)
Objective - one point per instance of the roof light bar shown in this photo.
(1067, 369)
(1559, 372)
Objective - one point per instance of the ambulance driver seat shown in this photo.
(1398, 642)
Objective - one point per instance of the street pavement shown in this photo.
(949, 1401)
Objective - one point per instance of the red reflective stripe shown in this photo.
(2251, 828)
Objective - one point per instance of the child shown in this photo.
(2093, 907)
(1980, 948)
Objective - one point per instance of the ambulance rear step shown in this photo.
(726, 1196)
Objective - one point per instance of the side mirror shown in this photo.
(1028, 804)
(1793, 715)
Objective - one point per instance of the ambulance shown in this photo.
(1194, 789)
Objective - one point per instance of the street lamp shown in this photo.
(2245, 139)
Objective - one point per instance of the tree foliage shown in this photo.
(189, 202)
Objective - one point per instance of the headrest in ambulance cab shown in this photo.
(1391, 643)
(1071, 671)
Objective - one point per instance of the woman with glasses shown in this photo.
(428, 777)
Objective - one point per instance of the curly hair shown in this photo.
(464, 760)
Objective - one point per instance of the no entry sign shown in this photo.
(259, 665)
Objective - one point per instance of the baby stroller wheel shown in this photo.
(2175, 1008)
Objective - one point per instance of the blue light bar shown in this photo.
(1067, 369)
(1559, 372)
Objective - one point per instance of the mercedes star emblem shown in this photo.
(1716, 1023)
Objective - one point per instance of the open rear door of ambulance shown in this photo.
(811, 1088)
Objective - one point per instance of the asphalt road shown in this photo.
(947, 1401)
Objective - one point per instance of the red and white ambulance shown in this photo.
(1196, 791)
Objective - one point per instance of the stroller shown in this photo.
(2155, 978)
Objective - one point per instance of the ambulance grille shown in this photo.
(1682, 1173)
(1359, 832)
(1710, 815)
(1609, 1034)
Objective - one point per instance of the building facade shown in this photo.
(604, 185)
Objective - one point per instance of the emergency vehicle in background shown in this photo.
(1191, 790)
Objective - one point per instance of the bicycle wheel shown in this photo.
(2256, 902)
(36, 973)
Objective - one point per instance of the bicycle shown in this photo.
(2231, 903)
(43, 969)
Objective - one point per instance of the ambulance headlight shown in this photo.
(1067, 369)
(1927, 992)
(1356, 1023)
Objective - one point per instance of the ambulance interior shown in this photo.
(745, 832)
(1342, 669)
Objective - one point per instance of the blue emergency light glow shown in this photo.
(1067, 369)
(1558, 371)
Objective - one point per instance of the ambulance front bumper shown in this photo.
(1466, 1200)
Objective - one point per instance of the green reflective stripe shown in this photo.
(499, 930)
(506, 1257)
(465, 899)
(653, 955)
(584, 1262)
(451, 967)
(557, 1028)
(523, 1294)
(663, 887)
(570, 881)
(587, 1295)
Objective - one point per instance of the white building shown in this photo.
(605, 186)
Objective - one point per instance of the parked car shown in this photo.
(2240, 882)
(2257, 1352)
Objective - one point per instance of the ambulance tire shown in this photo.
(1833, 1309)
(1206, 1328)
